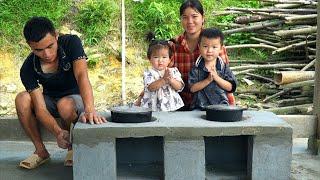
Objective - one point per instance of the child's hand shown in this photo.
(210, 77)
(167, 75)
(214, 73)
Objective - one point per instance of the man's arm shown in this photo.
(81, 75)
(44, 116)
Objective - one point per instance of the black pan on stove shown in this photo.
(130, 114)
(224, 113)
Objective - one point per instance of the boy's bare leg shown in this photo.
(29, 123)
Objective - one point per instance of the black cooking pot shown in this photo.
(130, 114)
(224, 113)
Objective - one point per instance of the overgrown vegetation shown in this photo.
(159, 17)
(162, 17)
(96, 17)
(14, 14)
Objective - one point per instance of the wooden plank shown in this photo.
(304, 126)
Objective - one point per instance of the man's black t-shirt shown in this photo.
(62, 82)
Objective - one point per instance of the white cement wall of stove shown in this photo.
(267, 153)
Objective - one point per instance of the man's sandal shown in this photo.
(68, 161)
(33, 161)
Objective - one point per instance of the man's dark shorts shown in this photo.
(51, 104)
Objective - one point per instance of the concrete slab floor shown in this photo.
(12, 152)
(304, 166)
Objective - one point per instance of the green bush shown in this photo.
(15, 13)
(160, 17)
(96, 17)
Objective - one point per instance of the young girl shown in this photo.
(161, 84)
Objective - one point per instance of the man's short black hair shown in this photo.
(37, 28)
(212, 33)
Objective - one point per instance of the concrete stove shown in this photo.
(183, 145)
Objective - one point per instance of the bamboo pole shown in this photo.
(242, 72)
(272, 10)
(297, 84)
(287, 6)
(295, 101)
(297, 109)
(268, 66)
(285, 33)
(250, 19)
(253, 27)
(260, 77)
(276, 95)
(286, 77)
(293, 46)
(263, 91)
(251, 46)
(309, 65)
(267, 42)
(312, 50)
(304, 2)
(123, 54)
(301, 17)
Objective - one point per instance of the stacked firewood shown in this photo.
(288, 29)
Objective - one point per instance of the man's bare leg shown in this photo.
(67, 110)
(29, 123)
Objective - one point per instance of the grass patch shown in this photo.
(96, 18)
(15, 13)
(160, 17)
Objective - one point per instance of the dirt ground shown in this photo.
(105, 79)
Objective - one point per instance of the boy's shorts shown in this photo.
(51, 104)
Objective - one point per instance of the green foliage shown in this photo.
(96, 17)
(238, 38)
(160, 17)
(15, 13)
(249, 54)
